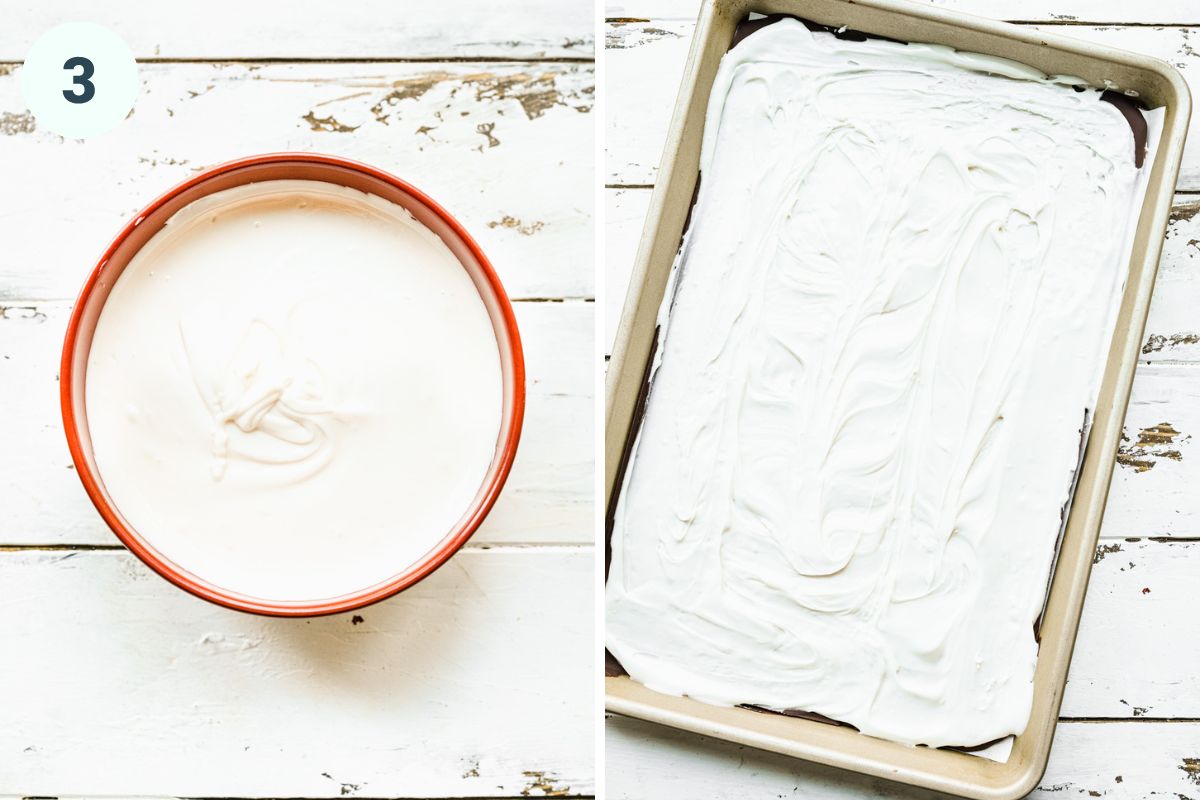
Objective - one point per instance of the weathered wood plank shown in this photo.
(478, 682)
(1173, 329)
(643, 65)
(645, 62)
(1178, 12)
(508, 148)
(1153, 488)
(1135, 650)
(221, 29)
(548, 497)
(625, 211)
(1119, 761)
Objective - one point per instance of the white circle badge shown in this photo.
(79, 79)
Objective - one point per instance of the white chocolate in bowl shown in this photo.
(889, 318)
(294, 390)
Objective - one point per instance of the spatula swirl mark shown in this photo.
(267, 405)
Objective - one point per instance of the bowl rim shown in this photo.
(450, 544)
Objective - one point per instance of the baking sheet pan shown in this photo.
(1157, 84)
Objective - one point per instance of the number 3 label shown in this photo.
(80, 80)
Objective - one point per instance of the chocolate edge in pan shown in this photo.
(1131, 110)
(1062, 525)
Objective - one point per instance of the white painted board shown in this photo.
(477, 682)
(226, 29)
(506, 148)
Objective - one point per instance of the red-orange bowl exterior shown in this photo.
(269, 167)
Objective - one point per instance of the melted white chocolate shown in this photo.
(294, 390)
(888, 320)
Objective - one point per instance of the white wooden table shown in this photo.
(478, 682)
(1131, 715)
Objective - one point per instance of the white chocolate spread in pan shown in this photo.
(888, 320)
(294, 390)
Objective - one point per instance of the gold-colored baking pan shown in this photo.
(1157, 84)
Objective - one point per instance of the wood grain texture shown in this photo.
(1173, 330)
(224, 29)
(1065, 12)
(474, 683)
(645, 64)
(1117, 761)
(507, 148)
(624, 215)
(1158, 463)
(548, 497)
(1134, 652)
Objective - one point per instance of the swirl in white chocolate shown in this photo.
(265, 388)
(887, 323)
